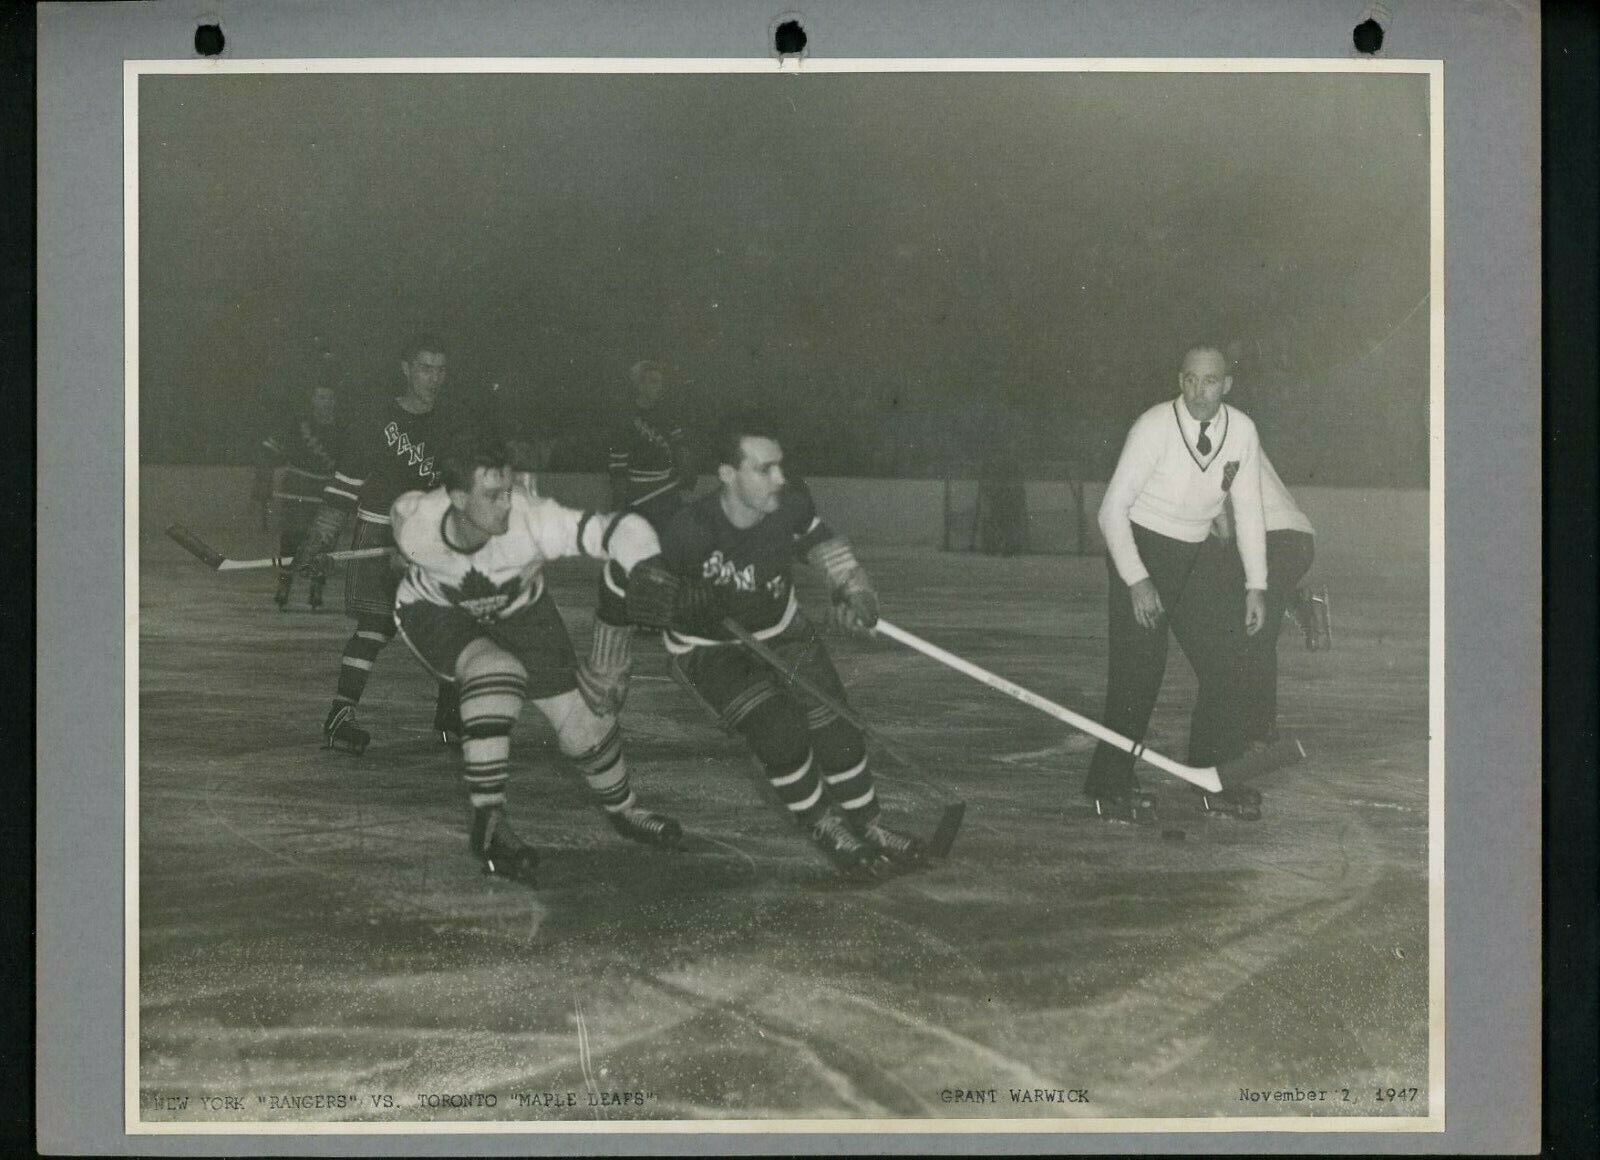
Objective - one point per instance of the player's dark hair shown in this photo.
(467, 452)
(734, 429)
(419, 342)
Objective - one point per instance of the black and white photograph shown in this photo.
(809, 594)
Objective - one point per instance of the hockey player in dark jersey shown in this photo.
(474, 609)
(731, 554)
(652, 473)
(651, 466)
(389, 449)
(305, 450)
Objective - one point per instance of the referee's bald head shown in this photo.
(1203, 349)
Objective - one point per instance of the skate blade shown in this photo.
(1140, 816)
(1252, 814)
(512, 870)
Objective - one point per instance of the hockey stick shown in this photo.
(215, 560)
(1212, 779)
(944, 834)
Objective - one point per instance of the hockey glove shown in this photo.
(855, 603)
(312, 554)
(657, 597)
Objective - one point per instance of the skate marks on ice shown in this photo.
(312, 919)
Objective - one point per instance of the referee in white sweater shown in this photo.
(1182, 460)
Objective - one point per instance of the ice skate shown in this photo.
(341, 732)
(850, 856)
(1134, 807)
(281, 596)
(901, 850)
(638, 824)
(1241, 802)
(494, 843)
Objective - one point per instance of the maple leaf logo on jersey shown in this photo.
(480, 596)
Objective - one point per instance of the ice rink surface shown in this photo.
(312, 924)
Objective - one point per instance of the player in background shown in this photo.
(1291, 546)
(1183, 458)
(652, 473)
(389, 449)
(651, 466)
(473, 608)
(306, 450)
(731, 554)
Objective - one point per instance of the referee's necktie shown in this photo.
(1203, 444)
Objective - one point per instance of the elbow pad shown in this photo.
(629, 538)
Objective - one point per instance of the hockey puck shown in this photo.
(1174, 835)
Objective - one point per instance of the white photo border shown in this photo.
(1432, 1122)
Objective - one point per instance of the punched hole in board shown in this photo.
(789, 38)
(208, 40)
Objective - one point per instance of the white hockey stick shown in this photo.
(215, 560)
(1210, 779)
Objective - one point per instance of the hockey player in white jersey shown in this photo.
(473, 607)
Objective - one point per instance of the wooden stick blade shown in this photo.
(1285, 752)
(195, 546)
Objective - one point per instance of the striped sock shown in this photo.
(801, 790)
(606, 774)
(360, 651)
(490, 703)
(852, 790)
(486, 750)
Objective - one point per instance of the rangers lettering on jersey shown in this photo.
(723, 572)
(415, 452)
(751, 569)
(384, 454)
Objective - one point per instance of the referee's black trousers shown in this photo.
(1289, 556)
(1139, 662)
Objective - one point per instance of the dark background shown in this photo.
(915, 271)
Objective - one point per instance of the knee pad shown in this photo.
(493, 684)
(776, 731)
(838, 745)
